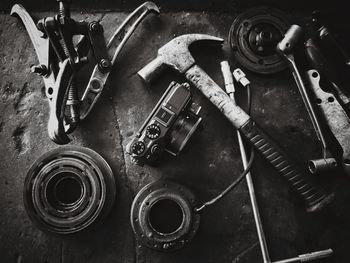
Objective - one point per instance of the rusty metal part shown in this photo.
(60, 60)
(68, 190)
(253, 37)
(286, 48)
(175, 54)
(162, 216)
(335, 116)
(229, 87)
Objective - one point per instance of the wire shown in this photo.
(230, 187)
(242, 175)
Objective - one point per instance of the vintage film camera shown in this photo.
(169, 126)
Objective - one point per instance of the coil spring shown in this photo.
(72, 100)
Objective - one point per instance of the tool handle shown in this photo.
(314, 196)
(312, 193)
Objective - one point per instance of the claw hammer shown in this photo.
(175, 54)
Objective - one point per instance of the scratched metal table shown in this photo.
(208, 164)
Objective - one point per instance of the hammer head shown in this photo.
(175, 54)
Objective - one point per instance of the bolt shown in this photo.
(95, 27)
(40, 26)
(41, 70)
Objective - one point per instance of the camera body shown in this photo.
(169, 126)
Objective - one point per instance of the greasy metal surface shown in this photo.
(207, 165)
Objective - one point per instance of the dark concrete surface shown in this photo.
(208, 164)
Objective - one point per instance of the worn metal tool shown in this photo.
(60, 59)
(175, 54)
(335, 116)
(230, 90)
(286, 48)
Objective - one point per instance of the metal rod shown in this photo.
(261, 235)
(308, 257)
(257, 219)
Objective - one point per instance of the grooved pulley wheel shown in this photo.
(163, 217)
(253, 37)
(68, 189)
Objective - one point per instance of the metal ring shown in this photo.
(68, 189)
(162, 216)
(253, 37)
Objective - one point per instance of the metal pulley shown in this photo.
(163, 217)
(68, 189)
(253, 37)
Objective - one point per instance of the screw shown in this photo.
(105, 64)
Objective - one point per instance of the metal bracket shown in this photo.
(336, 118)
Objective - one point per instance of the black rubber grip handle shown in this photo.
(315, 196)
